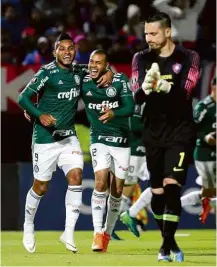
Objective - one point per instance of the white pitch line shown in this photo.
(182, 234)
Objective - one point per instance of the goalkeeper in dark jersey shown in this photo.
(164, 76)
(54, 138)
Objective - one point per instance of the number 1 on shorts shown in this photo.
(182, 155)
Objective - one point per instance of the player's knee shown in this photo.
(168, 181)
(157, 191)
(74, 177)
(118, 192)
(40, 187)
(100, 186)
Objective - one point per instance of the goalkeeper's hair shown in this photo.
(61, 37)
(100, 52)
(161, 17)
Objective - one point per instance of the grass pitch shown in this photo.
(199, 248)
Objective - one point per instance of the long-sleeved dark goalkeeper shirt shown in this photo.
(168, 118)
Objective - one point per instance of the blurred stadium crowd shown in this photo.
(29, 27)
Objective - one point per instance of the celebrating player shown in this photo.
(54, 137)
(108, 110)
(205, 151)
(165, 75)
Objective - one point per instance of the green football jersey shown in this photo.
(117, 97)
(205, 117)
(136, 132)
(59, 91)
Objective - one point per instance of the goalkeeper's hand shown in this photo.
(153, 81)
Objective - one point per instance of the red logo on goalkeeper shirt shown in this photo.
(177, 68)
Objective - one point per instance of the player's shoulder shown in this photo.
(141, 54)
(202, 104)
(50, 68)
(87, 78)
(187, 53)
(118, 76)
(208, 102)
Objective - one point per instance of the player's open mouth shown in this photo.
(93, 72)
(67, 58)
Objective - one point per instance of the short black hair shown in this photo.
(100, 52)
(162, 17)
(61, 37)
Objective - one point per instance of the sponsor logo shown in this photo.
(115, 80)
(54, 71)
(97, 208)
(105, 103)
(111, 92)
(69, 95)
(167, 77)
(113, 139)
(60, 82)
(124, 169)
(42, 83)
(177, 68)
(89, 93)
(63, 132)
(177, 169)
(141, 148)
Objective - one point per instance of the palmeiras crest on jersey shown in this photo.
(111, 92)
(177, 68)
(77, 79)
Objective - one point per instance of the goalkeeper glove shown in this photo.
(153, 81)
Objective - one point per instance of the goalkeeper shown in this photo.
(164, 77)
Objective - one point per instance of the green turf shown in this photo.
(199, 248)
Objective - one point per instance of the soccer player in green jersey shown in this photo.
(108, 110)
(205, 150)
(54, 137)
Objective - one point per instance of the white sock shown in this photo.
(113, 209)
(191, 199)
(32, 202)
(73, 201)
(98, 203)
(212, 202)
(125, 203)
(143, 201)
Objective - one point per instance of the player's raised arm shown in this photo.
(35, 85)
(127, 101)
